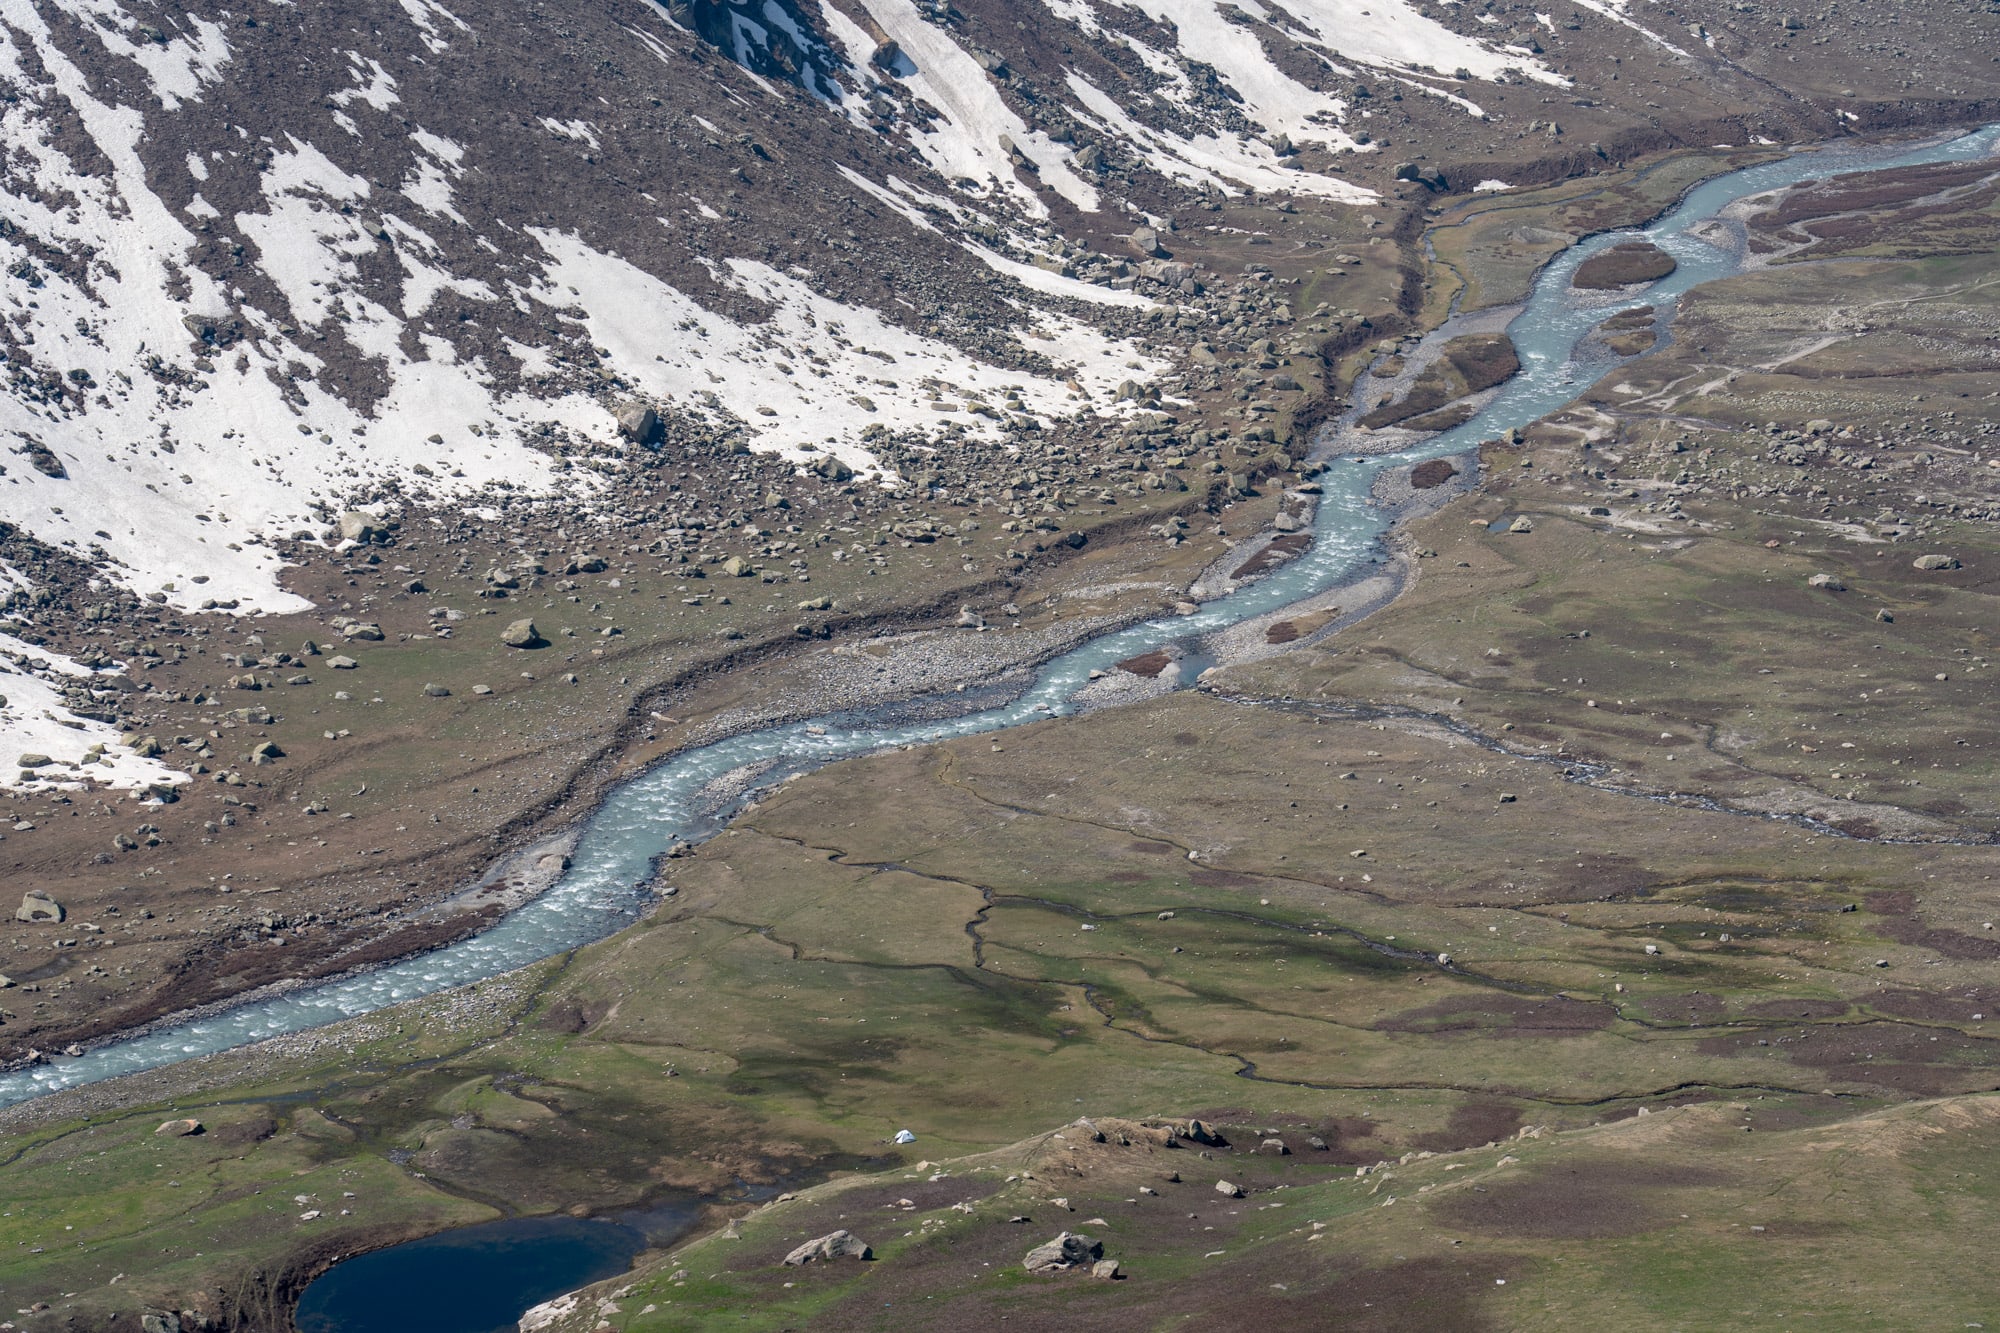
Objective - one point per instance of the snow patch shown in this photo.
(817, 372)
(1229, 164)
(36, 720)
(425, 14)
(964, 143)
(1615, 11)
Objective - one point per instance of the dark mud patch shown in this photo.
(1692, 1009)
(1589, 1199)
(1930, 1007)
(1807, 1009)
(1901, 923)
(1502, 1016)
(242, 1133)
(1472, 1125)
(1222, 879)
(1915, 1060)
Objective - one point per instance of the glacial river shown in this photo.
(604, 888)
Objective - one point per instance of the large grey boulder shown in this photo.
(1068, 1250)
(358, 526)
(38, 907)
(522, 634)
(833, 1245)
(639, 423)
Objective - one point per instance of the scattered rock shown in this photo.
(833, 1245)
(342, 663)
(1930, 562)
(1826, 581)
(178, 1129)
(1228, 1189)
(1105, 1270)
(1068, 1250)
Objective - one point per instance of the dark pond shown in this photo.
(474, 1280)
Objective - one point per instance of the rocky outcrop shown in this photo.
(1068, 1250)
(826, 1249)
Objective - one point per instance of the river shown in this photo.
(605, 888)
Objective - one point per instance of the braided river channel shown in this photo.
(606, 886)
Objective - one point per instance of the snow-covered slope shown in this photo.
(226, 309)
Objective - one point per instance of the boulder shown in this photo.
(39, 907)
(1930, 562)
(1228, 1189)
(833, 1245)
(437, 692)
(1827, 581)
(522, 634)
(358, 526)
(1202, 1134)
(362, 630)
(1068, 1250)
(342, 662)
(738, 568)
(639, 424)
(178, 1129)
(1105, 1270)
(35, 761)
(1147, 242)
